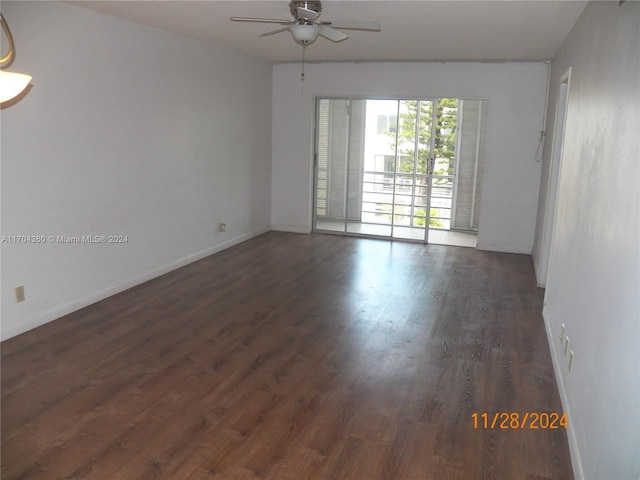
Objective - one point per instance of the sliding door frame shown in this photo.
(315, 170)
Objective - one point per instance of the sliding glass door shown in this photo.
(386, 168)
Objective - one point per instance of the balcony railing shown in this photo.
(410, 195)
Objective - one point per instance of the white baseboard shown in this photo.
(574, 451)
(62, 310)
(503, 248)
(536, 269)
(290, 229)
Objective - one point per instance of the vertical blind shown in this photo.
(470, 164)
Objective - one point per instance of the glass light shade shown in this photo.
(304, 33)
(12, 84)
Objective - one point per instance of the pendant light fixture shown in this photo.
(11, 84)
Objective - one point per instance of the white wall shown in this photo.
(516, 93)
(127, 130)
(593, 284)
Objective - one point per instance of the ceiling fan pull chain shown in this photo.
(304, 49)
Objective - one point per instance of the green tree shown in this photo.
(415, 129)
(421, 113)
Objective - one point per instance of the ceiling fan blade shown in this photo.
(353, 25)
(306, 14)
(273, 32)
(260, 20)
(333, 34)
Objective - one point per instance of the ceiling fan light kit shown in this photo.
(305, 34)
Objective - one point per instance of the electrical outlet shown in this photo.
(222, 227)
(571, 360)
(20, 294)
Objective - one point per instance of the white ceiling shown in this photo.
(411, 30)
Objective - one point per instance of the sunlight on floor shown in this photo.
(438, 237)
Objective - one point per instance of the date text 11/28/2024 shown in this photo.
(514, 420)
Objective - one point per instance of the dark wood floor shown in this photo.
(292, 357)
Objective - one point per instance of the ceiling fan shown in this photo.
(306, 26)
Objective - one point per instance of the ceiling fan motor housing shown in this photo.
(313, 5)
